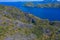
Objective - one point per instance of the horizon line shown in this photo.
(19, 0)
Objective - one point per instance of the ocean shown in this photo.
(52, 14)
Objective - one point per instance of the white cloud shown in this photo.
(17, 0)
(58, 0)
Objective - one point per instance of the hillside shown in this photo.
(18, 25)
(43, 5)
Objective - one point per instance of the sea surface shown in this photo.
(52, 14)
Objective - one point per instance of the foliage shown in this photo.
(14, 21)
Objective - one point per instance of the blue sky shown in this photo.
(58, 0)
(17, 0)
(22, 0)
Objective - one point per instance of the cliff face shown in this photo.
(18, 25)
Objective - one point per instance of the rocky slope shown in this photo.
(18, 25)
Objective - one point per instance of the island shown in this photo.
(42, 5)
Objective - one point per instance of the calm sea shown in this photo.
(52, 14)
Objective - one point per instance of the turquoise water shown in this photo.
(53, 14)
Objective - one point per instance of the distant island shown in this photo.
(18, 25)
(46, 5)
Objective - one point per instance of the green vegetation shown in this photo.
(13, 20)
(46, 5)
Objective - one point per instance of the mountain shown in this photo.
(18, 25)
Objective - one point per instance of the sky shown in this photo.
(17, 0)
(21, 0)
(58, 0)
